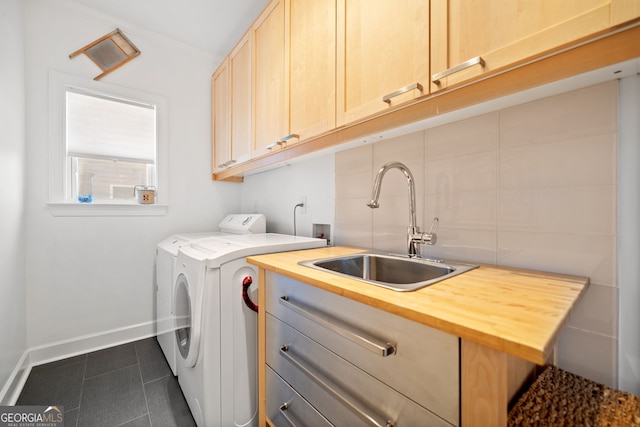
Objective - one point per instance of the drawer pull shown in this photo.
(375, 345)
(283, 411)
(387, 97)
(284, 352)
(470, 63)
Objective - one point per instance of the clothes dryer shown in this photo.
(166, 254)
(216, 331)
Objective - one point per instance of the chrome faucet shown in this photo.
(414, 235)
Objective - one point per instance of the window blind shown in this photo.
(102, 127)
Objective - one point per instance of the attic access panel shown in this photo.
(109, 52)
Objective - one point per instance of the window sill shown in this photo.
(106, 209)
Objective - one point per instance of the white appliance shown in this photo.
(166, 254)
(216, 331)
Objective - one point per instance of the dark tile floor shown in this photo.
(130, 385)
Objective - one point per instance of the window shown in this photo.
(110, 145)
(109, 139)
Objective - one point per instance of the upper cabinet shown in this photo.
(231, 84)
(383, 55)
(312, 69)
(221, 116)
(270, 77)
(241, 101)
(311, 74)
(294, 73)
(470, 39)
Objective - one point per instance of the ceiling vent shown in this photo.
(109, 52)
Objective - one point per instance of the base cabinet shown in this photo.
(334, 361)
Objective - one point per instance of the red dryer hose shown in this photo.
(246, 282)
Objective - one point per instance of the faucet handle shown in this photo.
(434, 225)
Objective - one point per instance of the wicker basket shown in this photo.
(560, 398)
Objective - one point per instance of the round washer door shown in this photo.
(186, 334)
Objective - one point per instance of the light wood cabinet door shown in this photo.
(623, 11)
(383, 46)
(221, 116)
(312, 78)
(271, 76)
(505, 33)
(241, 100)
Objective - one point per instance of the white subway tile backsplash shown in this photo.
(407, 149)
(355, 160)
(394, 210)
(355, 212)
(585, 112)
(349, 235)
(468, 209)
(587, 161)
(475, 246)
(464, 173)
(353, 185)
(586, 210)
(587, 255)
(597, 311)
(469, 136)
(588, 354)
(390, 239)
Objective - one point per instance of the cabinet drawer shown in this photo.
(344, 394)
(424, 365)
(285, 407)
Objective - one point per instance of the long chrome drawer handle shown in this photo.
(470, 63)
(380, 348)
(284, 352)
(387, 98)
(283, 408)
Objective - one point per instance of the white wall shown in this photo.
(88, 276)
(12, 195)
(275, 193)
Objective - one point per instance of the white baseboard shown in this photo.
(68, 348)
(16, 380)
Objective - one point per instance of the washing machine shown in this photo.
(217, 327)
(166, 254)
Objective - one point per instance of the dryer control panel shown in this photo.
(244, 224)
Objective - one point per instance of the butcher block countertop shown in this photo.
(515, 311)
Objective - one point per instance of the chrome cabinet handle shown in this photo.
(288, 137)
(387, 97)
(373, 344)
(283, 141)
(227, 163)
(470, 63)
(283, 408)
(284, 352)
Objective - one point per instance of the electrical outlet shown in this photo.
(303, 208)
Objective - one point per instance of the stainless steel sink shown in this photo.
(392, 272)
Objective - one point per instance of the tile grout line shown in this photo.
(111, 371)
(144, 392)
(84, 372)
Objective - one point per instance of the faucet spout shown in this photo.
(377, 184)
(414, 236)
